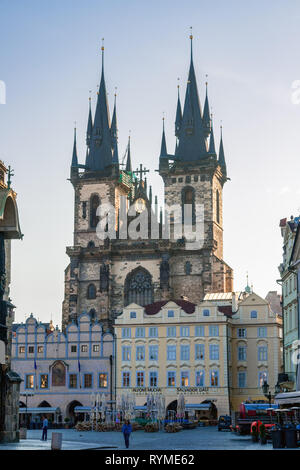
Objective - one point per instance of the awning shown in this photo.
(287, 397)
(259, 406)
(140, 408)
(198, 406)
(40, 410)
(82, 409)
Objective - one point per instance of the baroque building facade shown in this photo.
(220, 351)
(104, 275)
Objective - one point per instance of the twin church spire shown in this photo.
(193, 131)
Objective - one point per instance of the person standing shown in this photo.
(126, 430)
(45, 427)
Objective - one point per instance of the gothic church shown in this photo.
(103, 276)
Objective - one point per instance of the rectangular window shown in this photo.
(88, 380)
(140, 332)
(170, 313)
(29, 381)
(184, 331)
(125, 379)
(153, 353)
(199, 330)
(200, 378)
(44, 381)
(213, 330)
(153, 332)
(171, 378)
(30, 349)
(40, 349)
(184, 379)
(171, 353)
(199, 352)
(72, 380)
(214, 352)
(262, 331)
(206, 313)
(184, 352)
(22, 349)
(242, 333)
(214, 378)
(253, 314)
(96, 347)
(73, 348)
(153, 379)
(132, 314)
(241, 379)
(102, 380)
(140, 353)
(126, 353)
(242, 353)
(140, 379)
(171, 331)
(262, 353)
(84, 348)
(126, 332)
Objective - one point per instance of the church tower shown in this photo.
(143, 262)
(195, 175)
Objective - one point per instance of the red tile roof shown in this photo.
(154, 308)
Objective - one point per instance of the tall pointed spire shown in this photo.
(128, 163)
(100, 147)
(163, 148)
(178, 120)
(212, 148)
(221, 160)
(113, 127)
(89, 130)
(206, 115)
(192, 145)
(74, 165)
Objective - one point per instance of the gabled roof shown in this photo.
(185, 305)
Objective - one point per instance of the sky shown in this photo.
(50, 58)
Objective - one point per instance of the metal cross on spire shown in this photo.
(141, 171)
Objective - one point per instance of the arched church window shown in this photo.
(91, 291)
(94, 204)
(188, 198)
(138, 287)
(91, 245)
(218, 206)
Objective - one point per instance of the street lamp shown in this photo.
(27, 394)
(265, 389)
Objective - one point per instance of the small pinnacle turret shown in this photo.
(221, 160)
(206, 116)
(74, 165)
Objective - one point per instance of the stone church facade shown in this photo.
(103, 276)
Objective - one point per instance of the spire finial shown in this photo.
(191, 38)
(102, 49)
(90, 97)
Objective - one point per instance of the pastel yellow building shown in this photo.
(216, 352)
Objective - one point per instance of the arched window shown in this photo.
(218, 206)
(138, 287)
(94, 204)
(91, 245)
(92, 314)
(91, 291)
(188, 198)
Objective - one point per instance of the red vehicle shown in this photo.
(251, 414)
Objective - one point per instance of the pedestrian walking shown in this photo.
(45, 427)
(126, 430)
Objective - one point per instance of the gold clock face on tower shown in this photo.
(140, 205)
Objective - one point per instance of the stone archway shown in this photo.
(70, 412)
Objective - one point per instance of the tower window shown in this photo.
(196, 178)
(188, 267)
(218, 206)
(94, 204)
(91, 291)
(188, 199)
